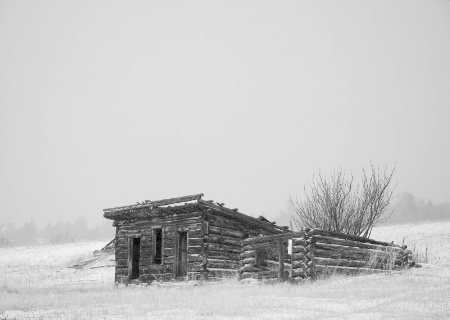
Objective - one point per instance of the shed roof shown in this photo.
(183, 205)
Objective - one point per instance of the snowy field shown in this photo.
(36, 283)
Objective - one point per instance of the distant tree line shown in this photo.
(409, 209)
(60, 232)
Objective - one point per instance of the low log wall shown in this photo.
(267, 257)
(317, 252)
(330, 252)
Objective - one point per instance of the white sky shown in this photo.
(105, 103)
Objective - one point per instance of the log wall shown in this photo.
(316, 252)
(329, 252)
(148, 272)
(223, 239)
(267, 257)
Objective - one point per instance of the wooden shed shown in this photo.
(181, 238)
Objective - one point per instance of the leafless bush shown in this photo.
(334, 203)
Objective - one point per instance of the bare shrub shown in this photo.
(335, 203)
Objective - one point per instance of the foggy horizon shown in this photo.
(105, 104)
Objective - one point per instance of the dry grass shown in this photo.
(414, 294)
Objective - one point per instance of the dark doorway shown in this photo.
(157, 246)
(135, 257)
(182, 254)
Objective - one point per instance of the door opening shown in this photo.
(157, 246)
(182, 254)
(135, 257)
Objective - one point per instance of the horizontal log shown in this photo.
(224, 265)
(261, 245)
(284, 237)
(226, 232)
(249, 275)
(340, 262)
(169, 234)
(349, 251)
(195, 268)
(333, 234)
(196, 234)
(298, 264)
(268, 274)
(248, 254)
(222, 270)
(169, 260)
(222, 222)
(224, 240)
(297, 249)
(195, 249)
(195, 257)
(195, 241)
(348, 270)
(249, 269)
(120, 247)
(121, 255)
(169, 251)
(225, 248)
(350, 243)
(156, 267)
(121, 240)
(299, 242)
(223, 255)
(298, 256)
(250, 260)
(145, 261)
(121, 262)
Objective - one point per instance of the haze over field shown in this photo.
(103, 104)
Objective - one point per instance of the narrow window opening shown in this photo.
(157, 240)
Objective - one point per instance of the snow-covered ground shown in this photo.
(35, 283)
(430, 242)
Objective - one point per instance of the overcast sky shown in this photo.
(105, 103)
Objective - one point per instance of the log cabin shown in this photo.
(181, 238)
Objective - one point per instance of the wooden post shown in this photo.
(280, 260)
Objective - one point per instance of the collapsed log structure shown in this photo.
(181, 238)
(317, 252)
